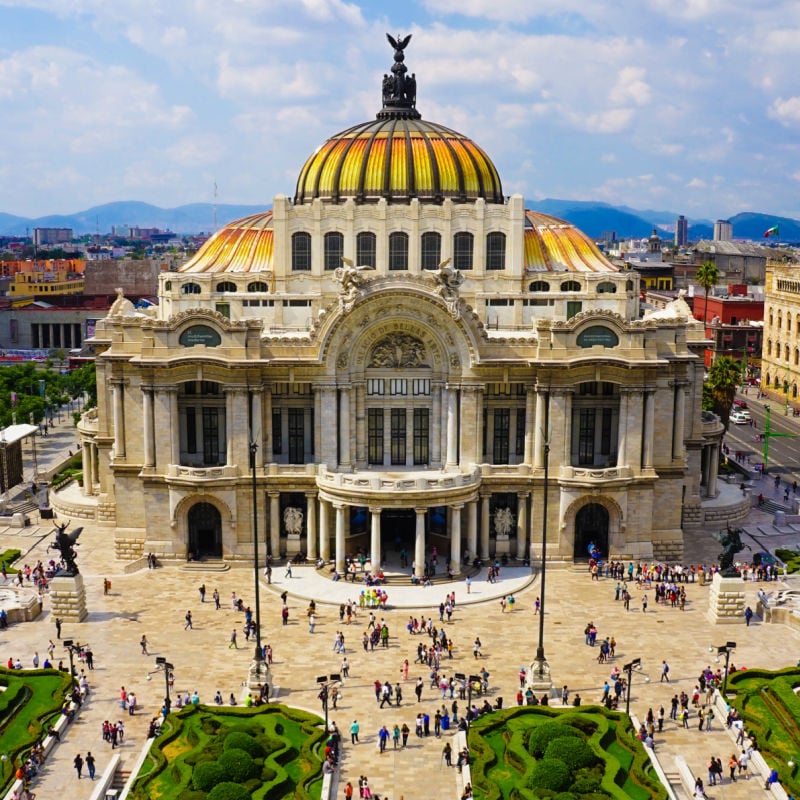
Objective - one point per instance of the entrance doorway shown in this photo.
(591, 527)
(398, 532)
(205, 531)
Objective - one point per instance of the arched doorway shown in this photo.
(205, 531)
(591, 526)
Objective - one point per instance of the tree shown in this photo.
(707, 276)
(724, 376)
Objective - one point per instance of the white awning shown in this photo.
(15, 433)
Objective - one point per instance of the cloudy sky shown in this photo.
(687, 105)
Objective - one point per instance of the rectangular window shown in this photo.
(375, 386)
(502, 420)
(421, 435)
(496, 251)
(586, 436)
(191, 430)
(398, 436)
(224, 309)
(277, 433)
(334, 250)
(398, 251)
(421, 386)
(430, 250)
(573, 307)
(605, 432)
(301, 252)
(520, 437)
(462, 250)
(398, 386)
(365, 249)
(375, 435)
(211, 436)
(296, 435)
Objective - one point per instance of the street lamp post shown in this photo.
(628, 670)
(162, 663)
(460, 676)
(259, 671)
(73, 647)
(325, 683)
(540, 669)
(726, 649)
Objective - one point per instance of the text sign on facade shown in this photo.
(200, 334)
(598, 335)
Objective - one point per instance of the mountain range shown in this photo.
(594, 218)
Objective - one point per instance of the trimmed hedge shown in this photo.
(551, 774)
(238, 740)
(229, 791)
(543, 734)
(575, 753)
(207, 775)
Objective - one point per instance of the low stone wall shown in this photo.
(71, 509)
(736, 512)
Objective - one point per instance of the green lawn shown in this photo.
(521, 753)
(271, 751)
(770, 709)
(30, 702)
(8, 557)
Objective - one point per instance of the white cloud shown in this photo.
(787, 111)
(697, 183)
(631, 87)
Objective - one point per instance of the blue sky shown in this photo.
(687, 105)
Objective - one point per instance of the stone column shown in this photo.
(522, 525)
(324, 531)
(485, 498)
(87, 468)
(328, 453)
(257, 433)
(567, 428)
(713, 470)
(649, 429)
(311, 525)
(472, 528)
(361, 425)
(266, 453)
(530, 424)
(419, 543)
(275, 524)
(339, 538)
(622, 430)
(634, 441)
(95, 465)
(471, 423)
(163, 424)
(229, 415)
(375, 537)
(344, 427)
(539, 432)
(436, 425)
(174, 427)
(679, 413)
(118, 388)
(149, 428)
(455, 537)
(452, 427)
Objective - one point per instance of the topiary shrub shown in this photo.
(238, 765)
(586, 784)
(575, 753)
(206, 776)
(548, 773)
(228, 791)
(565, 796)
(268, 774)
(238, 740)
(583, 723)
(543, 734)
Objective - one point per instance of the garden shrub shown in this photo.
(575, 753)
(239, 740)
(228, 791)
(191, 794)
(586, 784)
(549, 773)
(238, 765)
(207, 775)
(268, 774)
(543, 734)
(565, 796)
(583, 723)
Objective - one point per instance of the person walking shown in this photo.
(664, 672)
(288, 573)
(215, 598)
(285, 614)
(188, 618)
(312, 621)
(405, 731)
(90, 765)
(78, 764)
(58, 628)
(748, 615)
(143, 645)
(354, 729)
(233, 642)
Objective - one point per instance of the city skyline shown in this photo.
(687, 106)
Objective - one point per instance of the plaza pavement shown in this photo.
(154, 602)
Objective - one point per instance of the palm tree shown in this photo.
(707, 275)
(724, 376)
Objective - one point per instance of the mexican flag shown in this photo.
(773, 231)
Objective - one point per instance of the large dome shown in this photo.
(398, 156)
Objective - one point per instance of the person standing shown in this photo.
(215, 596)
(285, 614)
(468, 581)
(405, 730)
(90, 765)
(233, 642)
(748, 615)
(418, 689)
(312, 621)
(143, 645)
(89, 655)
(288, 573)
(58, 628)
(36, 660)
(354, 729)
(202, 591)
(78, 764)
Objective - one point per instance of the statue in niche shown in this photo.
(398, 350)
(352, 281)
(293, 520)
(503, 521)
(448, 281)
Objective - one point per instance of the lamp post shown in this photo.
(726, 649)
(326, 682)
(73, 647)
(628, 670)
(460, 676)
(259, 671)
(162, 663)
(540, 669)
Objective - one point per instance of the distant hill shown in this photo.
(594, 218)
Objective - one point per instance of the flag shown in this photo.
(773, 231)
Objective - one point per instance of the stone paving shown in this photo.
(154, 602)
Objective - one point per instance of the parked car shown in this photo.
(739, 403)
(740, 417)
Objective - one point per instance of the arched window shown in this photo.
(463, 243)
(786, 353)
(301, 252)
(334, 250)
(257, 286)
(430, 250)
(770, 318)
(496, 251)
(398, 251)
(796, 357)
(628, 286)
(226, 286)
(607, 287)
(168, 286)
(365, 249)
(775, 383)
(780, 320)
(539, 286)
(190, 288)
(769, 347)
(789, 321)
(570, 286)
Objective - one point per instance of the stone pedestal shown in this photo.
(292, 544)
(68, 598)
(502, 545)
(539, 678)
(726, 601)
(258, 675)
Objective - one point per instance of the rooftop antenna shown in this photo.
(215, 206)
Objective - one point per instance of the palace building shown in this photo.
(398, 357)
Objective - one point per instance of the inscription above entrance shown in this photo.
(597, 335)
(200, 334)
